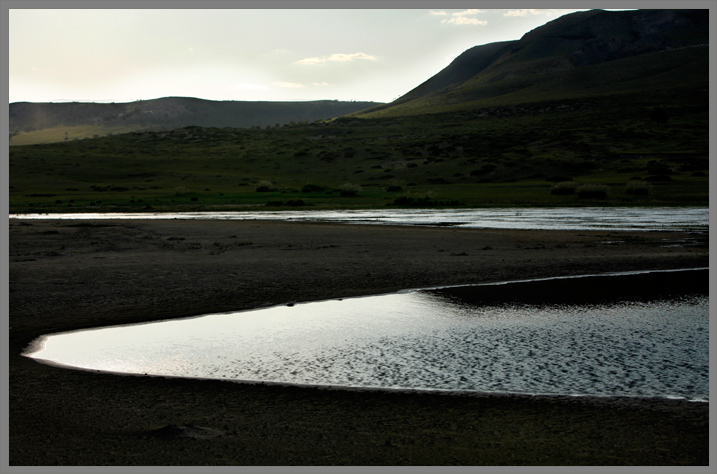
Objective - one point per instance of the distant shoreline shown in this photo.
(622, 218)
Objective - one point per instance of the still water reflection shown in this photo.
(561, 218)
(563, 336)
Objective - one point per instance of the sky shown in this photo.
(276, 54)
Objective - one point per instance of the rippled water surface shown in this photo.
(565, 336)
(576, 218)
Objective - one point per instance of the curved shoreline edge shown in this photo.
(37, 345)
(127, 272)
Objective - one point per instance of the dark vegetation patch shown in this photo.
(289, 203)
(313, 188)
(564, 188)
(659, 179)
(592, 191)
(488, 155)
(408, 201)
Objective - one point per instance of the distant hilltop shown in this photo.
(53, 122)
(577, 56)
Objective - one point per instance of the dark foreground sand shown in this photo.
(67, 275)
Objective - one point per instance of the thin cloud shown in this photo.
(310, 61)
(438, 13)
(465, 17)
(470, 11)
(350, 57)
(529, 12)
(338, 57)
(321, 84)
(461, 20)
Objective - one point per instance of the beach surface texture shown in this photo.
(67, 275)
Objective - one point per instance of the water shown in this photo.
(576, 336)
(567, 218)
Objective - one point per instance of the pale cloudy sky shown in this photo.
(276, 54)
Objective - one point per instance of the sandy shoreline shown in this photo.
(67, 275)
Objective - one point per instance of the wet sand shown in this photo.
(67, 275)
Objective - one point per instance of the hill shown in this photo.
(592, 109)
(584, 54)
(54, 122)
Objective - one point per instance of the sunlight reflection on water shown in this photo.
(566, 218)
(443, 339)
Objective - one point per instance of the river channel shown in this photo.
(563, 218)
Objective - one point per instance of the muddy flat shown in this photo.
(68, 275)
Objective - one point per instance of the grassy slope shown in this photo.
(492, 141)
(584, 54)
(58, 134)
(32, 123)
(680, 70)
(486, 157)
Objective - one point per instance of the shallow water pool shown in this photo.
(627, 335)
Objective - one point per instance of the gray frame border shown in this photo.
(6, 5)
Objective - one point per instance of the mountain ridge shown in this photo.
(556, 49)
(69, 120)
(647, 58)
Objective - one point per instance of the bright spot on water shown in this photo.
(441, 339)
(565, 218)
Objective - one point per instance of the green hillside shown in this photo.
(54, 122)
(635, 150)
(508, 124)
(584, 54)
(684, 72)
